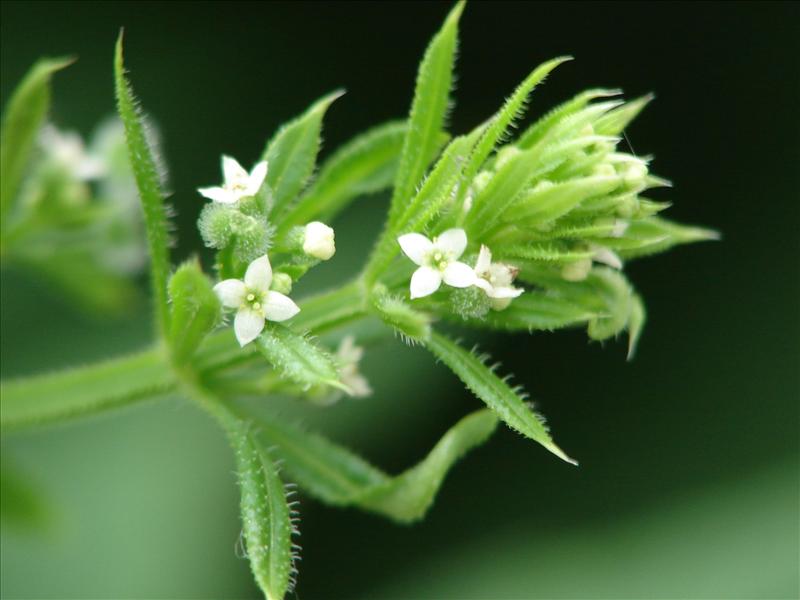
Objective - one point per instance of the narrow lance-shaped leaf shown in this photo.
(337, 476)
(292, 153)
(23, 117)
(655, 234)
(495, 392)
(428, 112)
(266, 516)
(367, 164)
(297, 357)
(148, 183)
(83, 391)
(536, 311)
(195, 310)
(504, 119)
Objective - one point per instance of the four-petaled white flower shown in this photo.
(348, 356)
(438, 261)
(495, 279)
(238, 183)
(254, 300)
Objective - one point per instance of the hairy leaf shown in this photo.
(297, 357)
(365, 165)
(23, 117)
(148, 183)
(428, 112)
(404, 319)
(535, 311)
(292, 153)
(266, 517)
(655, 234)
(195, 310)
(495, 392)
(83, 391)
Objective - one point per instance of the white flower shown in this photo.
(68, 150)
(238, 183)
(438, 261)
(348, 356)
(606, 256)
(254, 300)
(318, 241)
(495, 279)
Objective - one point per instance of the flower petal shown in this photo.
(505, 292)
(247, 325)
(608, 257)
(460, 275)
(453, 242)
(232, 170)
(231, 292)
(425, 281)
(484, 260)
(257, 176)
(218, 194)
(278, 307)
(259, 274)
(415, 246)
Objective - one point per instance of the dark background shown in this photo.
(688, 484)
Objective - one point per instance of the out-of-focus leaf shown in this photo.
(506, 402)
(20, 502)
(83, 391)
(535, 311)
(24, 115)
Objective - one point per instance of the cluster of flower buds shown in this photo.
(559, 209)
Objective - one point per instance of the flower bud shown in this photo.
(318, 241)
(281, 282)
(505, 155)
(577, 271)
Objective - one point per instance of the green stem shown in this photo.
(84, 391)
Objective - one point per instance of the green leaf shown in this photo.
(337, 476)
(266, 516)
(365, 165)
(404, 319)
(195, 310)
(615, 121)
(549, 201)
(21, 503)
(428, 112)
(551, 252)
(504, 119)
(536, 311)
(292, 153)
(495, 392)
(330, 309)
(148, 182)
(541, 128)
(654, 234)
(516, 175)
(83, 391)
(23, 117)
(298, 358)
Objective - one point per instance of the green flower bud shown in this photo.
(281, 282)
(577, 271)
(470, 302)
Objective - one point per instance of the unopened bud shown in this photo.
(281, 282)
(578, 270)
(318, 241)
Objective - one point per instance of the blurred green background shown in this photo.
(688, 484)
